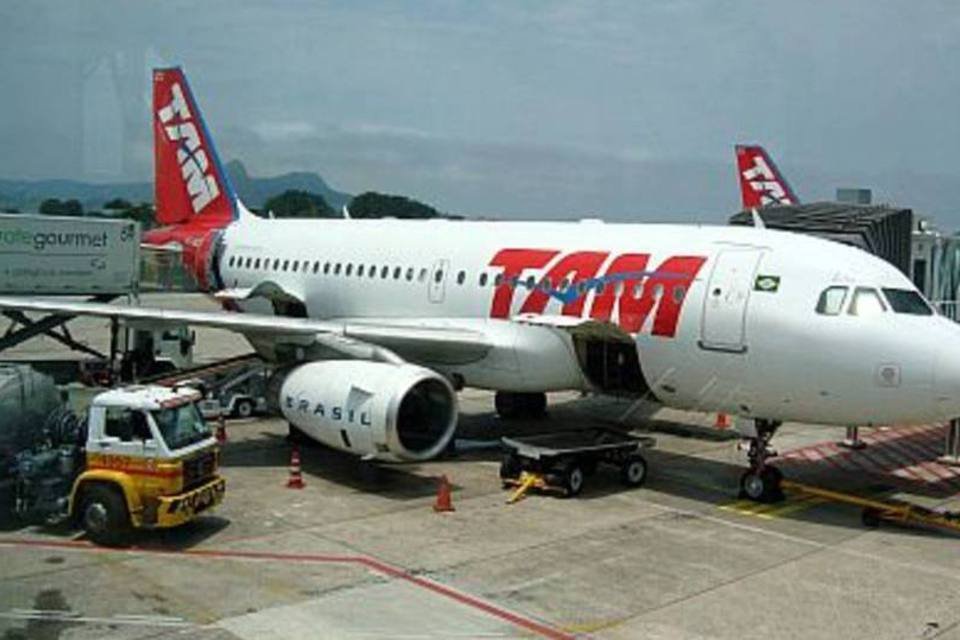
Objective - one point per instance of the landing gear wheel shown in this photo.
(511, 405)
(762, 485)
(571, 479)
(243, 409)
(103, 516)
(510, 467)
(634, 471)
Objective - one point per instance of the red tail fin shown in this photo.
(760, 181)
(189, 179)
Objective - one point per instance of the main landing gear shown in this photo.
(512, 405)
(761, 482)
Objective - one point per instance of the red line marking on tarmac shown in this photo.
(520, 621)
(833, 458)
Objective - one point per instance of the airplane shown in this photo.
(761, 182)
(375, 324)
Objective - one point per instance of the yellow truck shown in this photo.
(143, 458)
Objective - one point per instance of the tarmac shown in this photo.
(360, 553)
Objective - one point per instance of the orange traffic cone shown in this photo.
(295, 481)
(222, 430)
(722, 422)
(444, 501)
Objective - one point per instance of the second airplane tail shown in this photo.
(761, 183)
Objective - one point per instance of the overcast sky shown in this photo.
(511, 108)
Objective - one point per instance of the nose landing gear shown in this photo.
(761, 482)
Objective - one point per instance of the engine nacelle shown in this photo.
(397, 412)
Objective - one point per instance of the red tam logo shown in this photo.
(626, 293)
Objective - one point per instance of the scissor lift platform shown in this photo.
(560, 462)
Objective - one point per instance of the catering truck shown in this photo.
(142, 457)
(53, 255)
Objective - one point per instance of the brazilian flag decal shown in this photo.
(770, 284)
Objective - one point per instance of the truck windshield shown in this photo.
(181, 426)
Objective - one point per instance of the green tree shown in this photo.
(299, 204)
(72, 208)
(118, 204)
(380, 205)
(51, 207)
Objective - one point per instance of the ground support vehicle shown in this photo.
(142, 458)
(561, 461)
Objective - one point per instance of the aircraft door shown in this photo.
(438, 280)
(723, 325)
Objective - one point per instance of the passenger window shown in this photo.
(678, 292)
(316, 267)
(531, 282)
(296, 263)
(423, 275)
(326, 268)
(461, 277)
(336, 269)
(373, 271)
(348, 270)
(866, 302)
(276, 264)
(563, 284)
(831, 301)
(256, 265)
(483, 279)
(286, 264)
(359, 270)
(233, 259)
(249, 262)
(498, 280)
(396, 273)
(409, 274)
(438, 276)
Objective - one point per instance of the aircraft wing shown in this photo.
(353, 339)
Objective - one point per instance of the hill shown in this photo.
(26, 195)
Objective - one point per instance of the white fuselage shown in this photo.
(723, 318)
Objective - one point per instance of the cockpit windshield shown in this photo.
(181, 426)
(907, 301)
(866, 302)
(831, 301)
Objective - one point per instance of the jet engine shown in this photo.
(398, 412)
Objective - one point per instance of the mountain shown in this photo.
(255, 191)
(26, 195)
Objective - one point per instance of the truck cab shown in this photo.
(150, 462)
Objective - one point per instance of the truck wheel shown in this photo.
(571, 478)
(510, 467)
(243, 409)
(634, 471)
(103, 515)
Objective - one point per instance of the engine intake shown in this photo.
(398, 412)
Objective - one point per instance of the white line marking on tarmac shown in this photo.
(862, 555)
(75, 616)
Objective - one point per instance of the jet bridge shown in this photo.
(881, 230)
